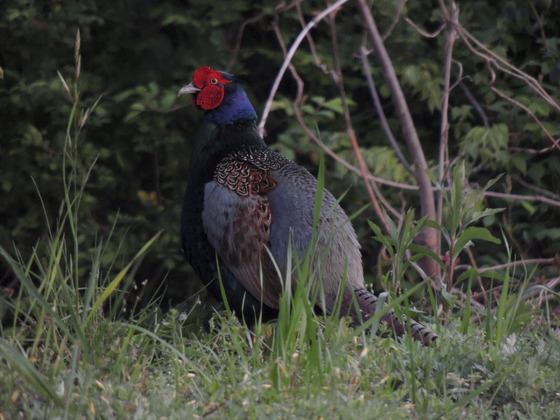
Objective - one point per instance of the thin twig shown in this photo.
(379, 109)
(311, 43)
(452, 18)
(288, 59)
(364, 170)
(478, 277)
(495, 61)
(474, 103)
(239, 38)
(368, 178)
(504, 66)
(535, 188)
(532, 151)
(531, 114)
(542, 261)
(549, 284)
(424, 33)
(396, 19)
(421, 167)
(537, 198)
(299, 117)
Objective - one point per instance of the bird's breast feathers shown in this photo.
(243, 178)
(247, 171)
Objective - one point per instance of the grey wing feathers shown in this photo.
(335, 251)
(239, 229)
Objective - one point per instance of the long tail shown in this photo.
(367, 302)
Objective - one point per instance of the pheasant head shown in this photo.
(220, 95)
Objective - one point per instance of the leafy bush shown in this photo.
(135, 148)
(95, 153)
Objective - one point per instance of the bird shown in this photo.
(249, 212)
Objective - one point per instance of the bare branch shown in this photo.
(424, 33)
(459, 75)
(545, 261)
(427, 236)
(239, 38)
(469, 252)
(379, 109)
(528, 111)
(290, 55)
(532, 151)
(371, 187)
(541, 294)
(495, 60)
(396, 19)
(520, 197)
(535, 188)
(474, 103)
(368, 178)
(312, 48)
(452, 20)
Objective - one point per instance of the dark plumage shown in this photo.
(245, 204)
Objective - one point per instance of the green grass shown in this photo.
(66, 352)
(160, 368)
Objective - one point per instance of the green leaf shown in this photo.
(529, 207)
(381, 238)
(520, 163)
(425, 251)
(334, 105)
(481, 214)
(457, 193)
(450, 298)
(470, 234)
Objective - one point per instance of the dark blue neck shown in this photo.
(234, 107)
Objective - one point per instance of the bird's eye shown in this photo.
(214, 81)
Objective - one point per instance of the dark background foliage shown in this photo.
(136, 54)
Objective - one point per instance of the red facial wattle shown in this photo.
(211, 84)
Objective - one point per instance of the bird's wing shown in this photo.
(332, 248)
(238, 227)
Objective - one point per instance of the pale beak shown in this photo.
(190, 88)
